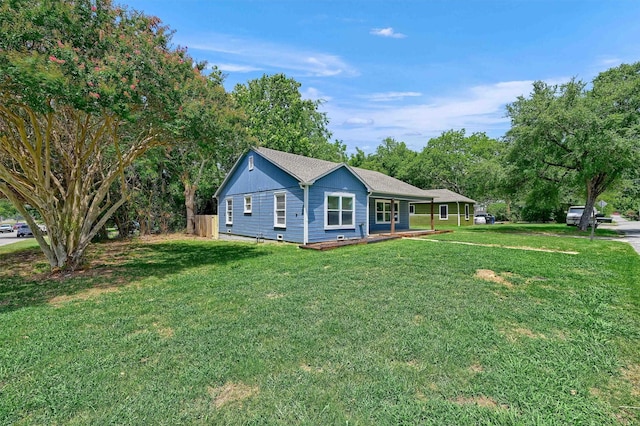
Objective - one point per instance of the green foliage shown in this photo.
(7, 209)
(469, 165)
(581, 140)
(279, 118)
(89, 55)
(391, 158)
(86, 88)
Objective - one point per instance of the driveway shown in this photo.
(630, 229)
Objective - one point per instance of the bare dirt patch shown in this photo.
(309, 369)
(231, 393)
(164, 332)
(515, 333)
(480, 401)
(476, 368)
(632, 375)
(88, 294)
(489, 275)
(526, 248)
(274, 295)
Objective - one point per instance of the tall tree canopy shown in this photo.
(85, 89)
(583, 137)
(279, 118)
(211, 134)
(392, 158)
(470, 165)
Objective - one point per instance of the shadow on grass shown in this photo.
(109, 266)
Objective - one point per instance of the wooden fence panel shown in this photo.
(207, 226)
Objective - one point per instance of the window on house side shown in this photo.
(339, 211)
(383, 211)
(280, 210)
(412, 209)
(229, 214)
(466, 212)
(444, 212)
(247, 203)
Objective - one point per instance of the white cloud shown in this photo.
(261, 55)
(386, 32)
(358, 122)
(237, 68)
(314, 94)
(390, 96)
(610, 62)
(476, 109)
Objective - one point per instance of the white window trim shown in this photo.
(396, 211)
(275, 210)
(412, 208)
(250, 162)
(326, 207)
(466, 211)
(446, 212)
(250, 204)
(228, 212)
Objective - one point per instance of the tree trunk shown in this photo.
(189, 202)
(595, 187)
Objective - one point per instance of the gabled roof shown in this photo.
(305, 169)
(308, 170)
(446, 196)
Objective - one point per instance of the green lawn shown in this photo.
(400, 332)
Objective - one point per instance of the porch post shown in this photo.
(432, 228)
(393, 216)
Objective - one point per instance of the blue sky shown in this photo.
(407, 69)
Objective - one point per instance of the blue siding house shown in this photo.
(274, 195)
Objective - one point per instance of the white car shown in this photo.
(5, 227)
(575, 213)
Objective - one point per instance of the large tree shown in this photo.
(391, 157)
(211, 134)
(579, 136)
(279, 118)
(85, 89)
(470, 165)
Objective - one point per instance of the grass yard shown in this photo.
(403, 332)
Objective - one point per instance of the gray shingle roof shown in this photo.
(446, 196)
(308, 170)
(305, 169)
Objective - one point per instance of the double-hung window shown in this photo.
(229, 211)
(339, 210)
(444, 212)
(280, 210)
(247, 204)
(383, 211)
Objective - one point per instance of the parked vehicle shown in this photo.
(6, 227)
(482, 218)
(18, 225)
(575, 213)
(24, 231)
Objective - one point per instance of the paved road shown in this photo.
(8, 238)
(631, 230)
